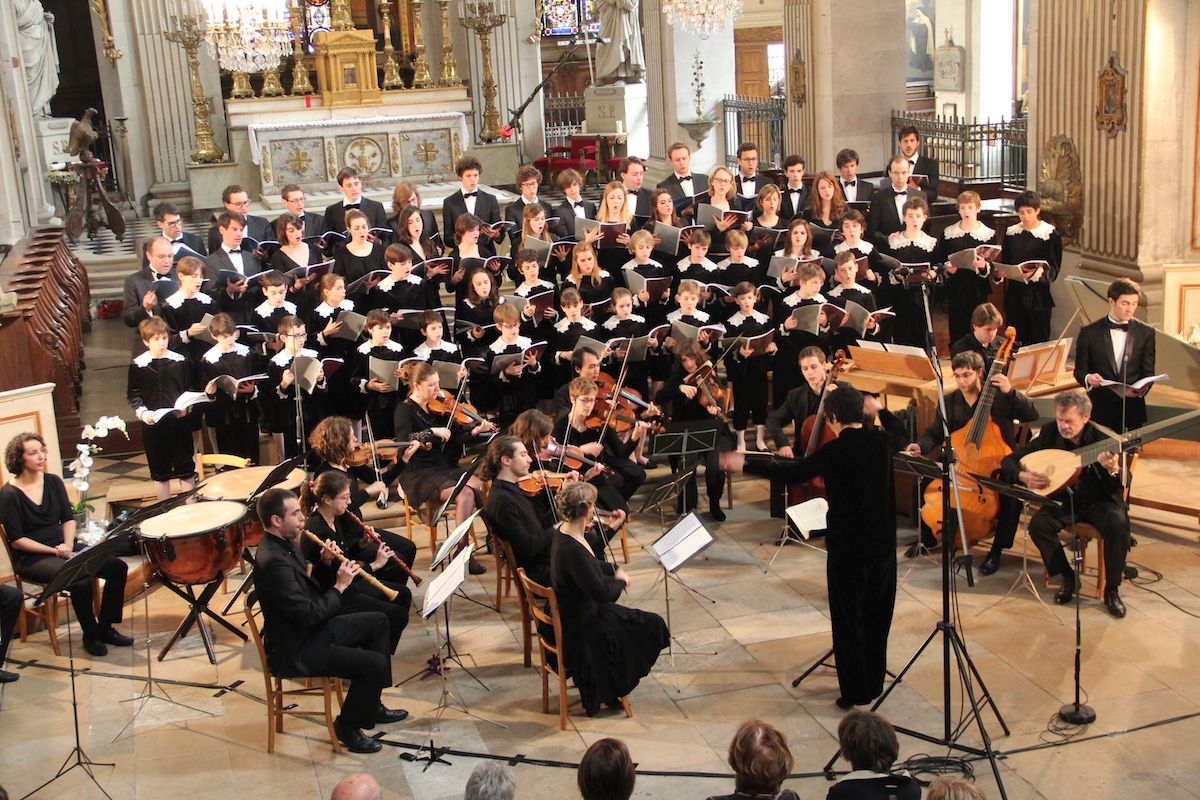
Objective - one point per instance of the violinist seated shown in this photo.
(333, 444)
(688, 401)
(327, 499)
(593, 434)
(516, 384)
(432, 474)
(585, 363)
(1097, 498)
(1007, 405)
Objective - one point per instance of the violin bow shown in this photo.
(462, 386)
(382, 500)
(616, 393)
(537, 455)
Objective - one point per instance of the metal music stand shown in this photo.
(1029, 498)
(81, 566)
(685, 441)
(662, 551)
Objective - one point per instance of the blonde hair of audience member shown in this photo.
(759, 757)
(954, 788)
(606, 771)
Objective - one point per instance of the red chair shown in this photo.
(544, 163)
(581, 157)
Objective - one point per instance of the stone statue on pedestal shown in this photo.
(39, 53)
(621, 60)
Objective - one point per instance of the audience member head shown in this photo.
(867, 739)
(954, 788)
(760, 758)
(606, 771)
(490, 780)
(359, 786)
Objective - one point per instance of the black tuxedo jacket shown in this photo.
(787, 210)
(237, 307)
(863, 189)
(487, 208)
(566, 217)
(295, 609)
(760, 181)
(335, 214)
(136, 286)
(314, 224)
(929, 168)
(642, 207)
(1094, 353)
(885, 219)
(671, 184)
(256, 228)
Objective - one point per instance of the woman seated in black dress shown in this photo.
(332, 441)
(40, 526)
(607, 648)
(761, 761)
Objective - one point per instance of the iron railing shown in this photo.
(564, 118)
(971, 152)
(758, 120)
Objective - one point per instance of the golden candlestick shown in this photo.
(481, 17)
(271, 86)
(391, 71)
(241, 86)
(300, 80)
(190, 36)
(421, 77)
(449, 68)
(342, 21)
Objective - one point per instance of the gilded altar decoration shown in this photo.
(331, 162)
(1060, 186)
(267, 173)
(110, 44)
(188, 34)
(426, 151)
(1111, 115)
(455, 146)
(394, 153)
(299, 161)
(364, 154)
(798, 83)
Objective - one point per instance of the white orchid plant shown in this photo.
(81, 467)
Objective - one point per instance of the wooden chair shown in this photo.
(277, 704)
(543, 605)
(47, 612)
(218, 460)
(504, 563)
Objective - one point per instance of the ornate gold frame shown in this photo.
(1111, 93)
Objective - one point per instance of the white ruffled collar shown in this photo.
(177, 300)
(283, 358)
(366, 347)
(325, 310)
(213, 354)
(264, 310)
(563, 324)
(612, 322)
(738, 318)
(708, 266)
(794, 298)
(863, 247)
(982, 233)
(923, 241)
(1041, 231)
(145, 358)
(678, 314)
(499, 346)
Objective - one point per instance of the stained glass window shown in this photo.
(568, 17)
(317, 17)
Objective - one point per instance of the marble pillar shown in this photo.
(852, 89)
(670, 55)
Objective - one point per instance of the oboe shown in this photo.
(373, 536)
(388, 592)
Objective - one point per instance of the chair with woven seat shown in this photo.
(47, 612)
(278, 705)
(543, 606)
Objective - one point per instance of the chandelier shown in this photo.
(701, 17)
(247, 35)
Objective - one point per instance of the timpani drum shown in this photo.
(195, 544)
(238, 485)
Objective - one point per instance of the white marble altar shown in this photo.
(620, 108)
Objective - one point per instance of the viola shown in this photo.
(711, 394)
(464, 413)
(364, 453)
(815, 433)
(979, 448)
(607, 385)
(573, 458)
(540, 480)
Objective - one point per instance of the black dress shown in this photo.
(428, 471)
(607, 648)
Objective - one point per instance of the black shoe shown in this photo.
(714, 511)
(475, 568)
(1067, 593)
(844, 704)
(990, 564)
(651, 464)
(95, 646)
(110, 635)
(8, 677)
(386, 716)
(1112, 601)
(353, 740)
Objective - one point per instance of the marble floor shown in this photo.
(738, 646)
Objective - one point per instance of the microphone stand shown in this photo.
(515, 121)
(1078, 712)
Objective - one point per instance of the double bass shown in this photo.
(816, 434)
(979, 448)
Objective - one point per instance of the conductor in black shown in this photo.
(305, 631)
(861, 540)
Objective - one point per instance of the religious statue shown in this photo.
(83, 136)
(621, 60)
(39, 53)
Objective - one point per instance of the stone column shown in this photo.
(801, 26)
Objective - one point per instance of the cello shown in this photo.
(979, 448)
(816, 434)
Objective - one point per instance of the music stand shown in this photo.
(685, 441)
(1029, 498)
(672, 550)
(792, 518)
(80, 566)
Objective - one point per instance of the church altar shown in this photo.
(413, 135)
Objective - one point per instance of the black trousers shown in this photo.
(239, 439)
(10, 611)
(862, 596)
(1110, 518)
(616, 489)
(356, 648)
(714, 478)
(42, 568)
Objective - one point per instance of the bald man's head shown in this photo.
(359, 786)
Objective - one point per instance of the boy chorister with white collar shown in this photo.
(267, 314)
(184, 310)
(235, 419)
(748, 372)
(515, 385)
(277, 398)
(402, 289)
(380, 400)
(156, 379)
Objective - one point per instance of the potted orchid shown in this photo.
(89, 530)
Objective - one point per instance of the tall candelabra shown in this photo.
(341, 19)
(190, 36)
(449, 68)
(481, 16)
(391, 71)
(300, 80)
(421, 76)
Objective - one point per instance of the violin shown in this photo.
(364, 453)
(541, 480)
(816, 434)
(573, 458)
(607, 385)
(464, 413)
(711, 394)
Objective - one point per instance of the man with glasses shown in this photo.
(748, 180)
(293, 203)
(528, 180)
(237, 201)
(141, 288)
(167, 218)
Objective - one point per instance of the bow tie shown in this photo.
(300, 217)
(683, 178)
(470, 194)
(632, 192)
(795, 191)
(849, 183)
(349, 206)
(177, 241)
(1117, 326)
(233, 252)
(577, 205)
